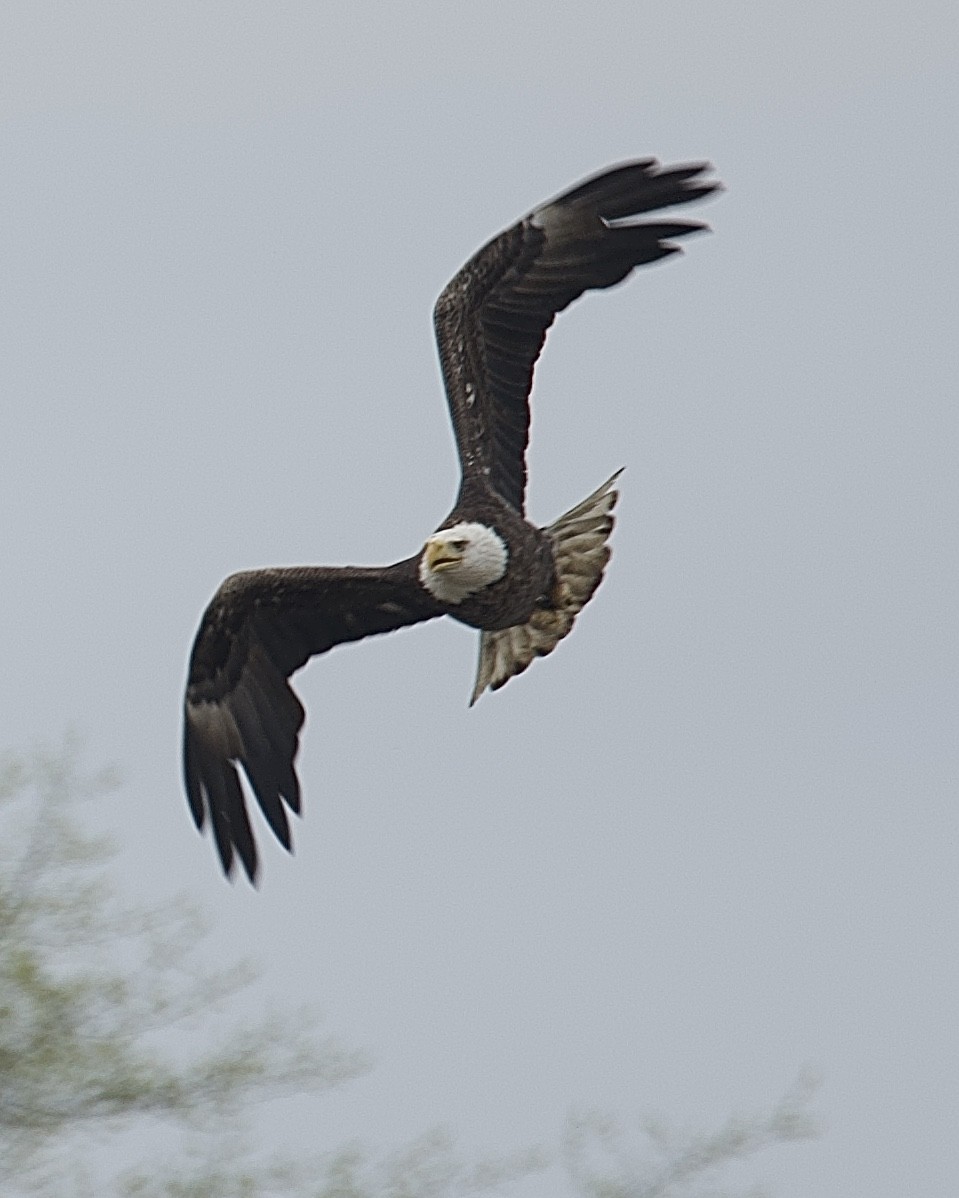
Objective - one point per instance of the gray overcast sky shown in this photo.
(712, 838)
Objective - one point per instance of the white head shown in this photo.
(460, 560)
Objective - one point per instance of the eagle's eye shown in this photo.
(459, 544)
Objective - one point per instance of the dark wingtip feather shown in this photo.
(231, 826)
(640, 186)
(224, 845)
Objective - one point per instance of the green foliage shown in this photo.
(602, 1164)
(95, 994)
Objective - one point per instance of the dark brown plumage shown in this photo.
(491, 318)
(486, 565)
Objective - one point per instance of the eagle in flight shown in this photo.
(486, 565)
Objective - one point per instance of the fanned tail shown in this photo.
(581, 551)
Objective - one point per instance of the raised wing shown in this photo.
(491, 319)
(260, 627)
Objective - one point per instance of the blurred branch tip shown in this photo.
(112, 1021)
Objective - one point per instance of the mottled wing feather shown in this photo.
(260, 627)
(491, 319)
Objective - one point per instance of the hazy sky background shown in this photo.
(713, 838)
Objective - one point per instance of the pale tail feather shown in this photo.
(581, 552)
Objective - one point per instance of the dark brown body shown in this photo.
(530, 574)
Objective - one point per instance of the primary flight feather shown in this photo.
(486, 565)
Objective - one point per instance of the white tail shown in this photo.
(581, 552)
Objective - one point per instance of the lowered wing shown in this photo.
(260, 627)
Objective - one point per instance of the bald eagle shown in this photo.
(486, 565)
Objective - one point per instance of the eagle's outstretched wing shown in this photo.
(491, 318)
(260, 627)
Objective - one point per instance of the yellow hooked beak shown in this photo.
(440, 555)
